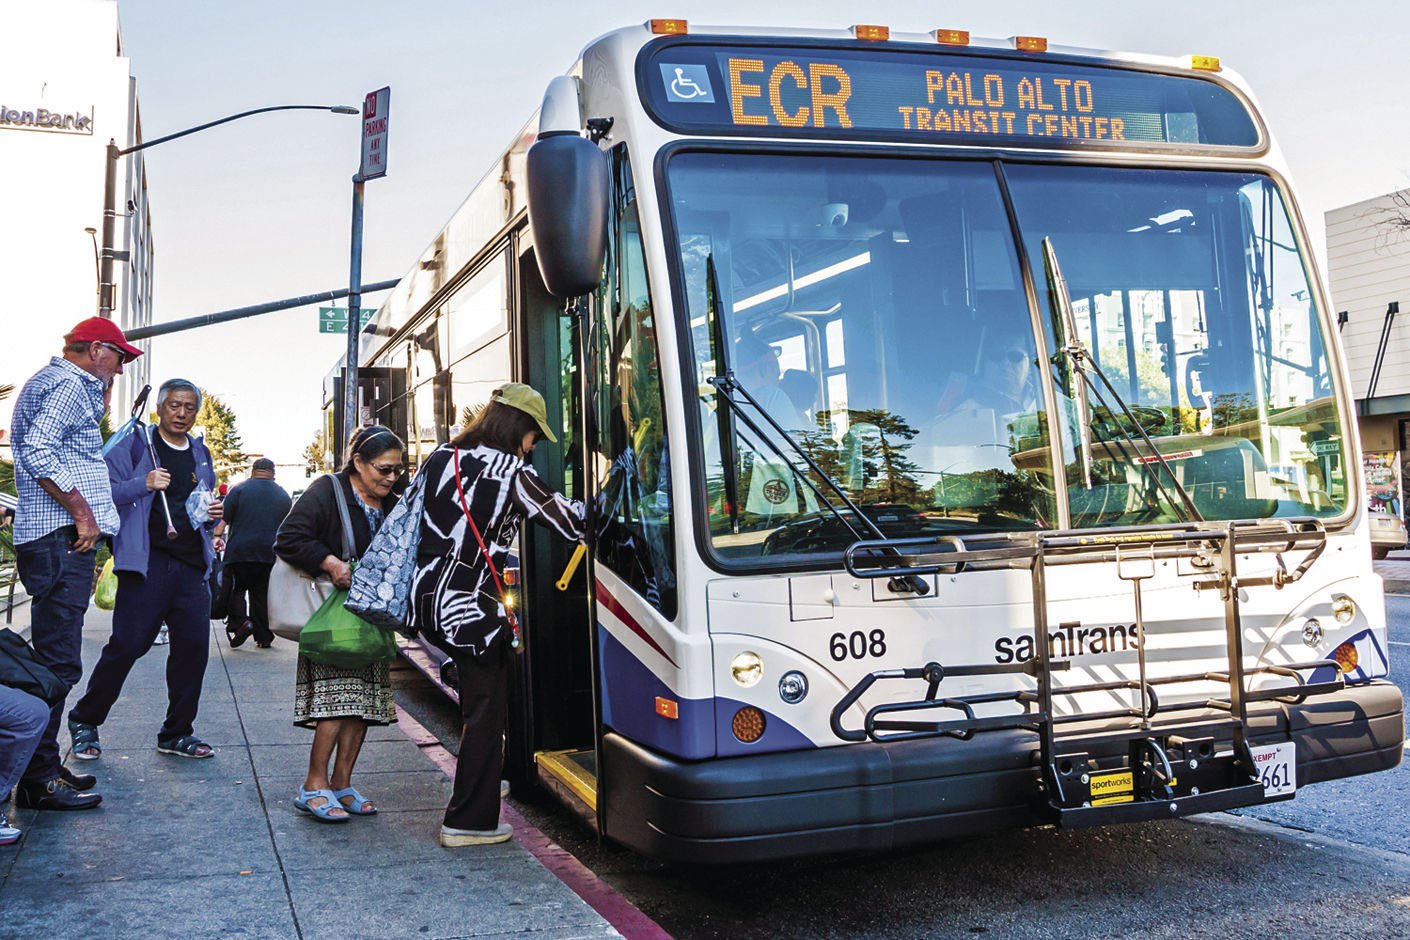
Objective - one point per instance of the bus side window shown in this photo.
(636, 541)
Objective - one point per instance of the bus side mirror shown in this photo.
(568, 191)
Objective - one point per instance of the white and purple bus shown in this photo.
(970, 443)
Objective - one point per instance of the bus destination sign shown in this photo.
(913, 96)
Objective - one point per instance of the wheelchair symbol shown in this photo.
(686, 88)
(686, 83)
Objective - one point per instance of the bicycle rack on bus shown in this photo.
(1164, 774)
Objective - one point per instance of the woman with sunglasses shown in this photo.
(339, 704)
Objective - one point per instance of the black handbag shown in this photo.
(20, 670)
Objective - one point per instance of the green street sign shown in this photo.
(335, 319)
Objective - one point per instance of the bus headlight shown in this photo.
(1344, 609)
(747, 669)
(1312, 632)
(793, 687)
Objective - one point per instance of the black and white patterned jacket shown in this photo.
(453, 596)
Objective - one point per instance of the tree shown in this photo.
(222, 435)
(318, 455)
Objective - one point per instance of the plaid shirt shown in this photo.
(55, 436)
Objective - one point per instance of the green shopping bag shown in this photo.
(335, 636)
(105, 594)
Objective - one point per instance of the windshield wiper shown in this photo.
(726, 385)
(729, 452)
(1080, 361)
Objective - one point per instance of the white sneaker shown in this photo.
(9, 834)
(454, 838)
(504, 789)
(163, 637)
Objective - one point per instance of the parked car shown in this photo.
(1387, 534)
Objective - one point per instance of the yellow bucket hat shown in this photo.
(526, 399)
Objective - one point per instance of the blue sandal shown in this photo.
(85, 739)
(322, 812)
(359, 804)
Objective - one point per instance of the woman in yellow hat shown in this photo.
(479, 488)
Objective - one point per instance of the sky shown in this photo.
(260, 209)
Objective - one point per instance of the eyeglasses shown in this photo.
(121, 354)
(388, 470)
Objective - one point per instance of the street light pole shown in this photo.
(107, 254)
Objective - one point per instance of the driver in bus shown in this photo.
(775, 492)
(980, 431)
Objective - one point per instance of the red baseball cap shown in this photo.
(102, 330)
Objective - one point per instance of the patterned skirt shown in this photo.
(330, 692)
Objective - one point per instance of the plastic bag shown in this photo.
(105, 593)
(338, 637)
(198, 506)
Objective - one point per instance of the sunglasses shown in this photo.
(121, 354)
(387, 470)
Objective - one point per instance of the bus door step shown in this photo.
(572, 777)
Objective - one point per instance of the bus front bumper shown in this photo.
(879, 796)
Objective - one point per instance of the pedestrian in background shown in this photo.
(339, 704)
(479, 488)
(65, 507)
(161, 578)
(253, 511)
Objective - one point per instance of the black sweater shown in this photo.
(312, 531)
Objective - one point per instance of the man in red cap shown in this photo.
(65, 508)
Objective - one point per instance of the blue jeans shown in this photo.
(173, 592)
(59, 581)
(23, 719)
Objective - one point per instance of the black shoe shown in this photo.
(240, 632)
(77, 781)
(54, 794)
(264, 642)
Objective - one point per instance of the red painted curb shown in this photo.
(624, 916)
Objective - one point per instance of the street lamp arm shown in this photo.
(336, 109)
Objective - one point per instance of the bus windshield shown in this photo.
(876, 309)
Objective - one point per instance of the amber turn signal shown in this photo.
(748, 724)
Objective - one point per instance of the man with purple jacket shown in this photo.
(162, 555)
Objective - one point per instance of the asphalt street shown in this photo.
(1336, 860)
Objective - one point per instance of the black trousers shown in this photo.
(249, 596)
(484, 694)
(173, 592)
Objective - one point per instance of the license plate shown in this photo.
(1111, 788)
(1275, 765)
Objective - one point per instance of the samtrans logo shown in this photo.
(1068, 640)
(42, 119)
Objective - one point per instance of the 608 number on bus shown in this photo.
(857, 645)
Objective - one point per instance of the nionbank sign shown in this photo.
(42, 119)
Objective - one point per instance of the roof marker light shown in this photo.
(1030, 43)
(1205, 63)
(668, 27)
(872, 33)
(952, 37)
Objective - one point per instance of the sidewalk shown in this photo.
(215, 848)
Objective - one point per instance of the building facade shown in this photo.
(66, 89)
(1368, 260)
